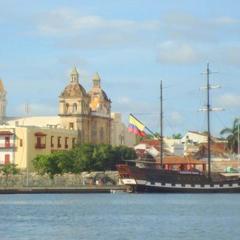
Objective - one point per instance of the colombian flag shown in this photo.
(136, 126)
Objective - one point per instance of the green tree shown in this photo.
(9, 169)
(232, 135)
(177, 136)
(54, 163)
(85, 157)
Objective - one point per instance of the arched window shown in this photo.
(74, 108)
(67, 108)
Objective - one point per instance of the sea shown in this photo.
(119, 216)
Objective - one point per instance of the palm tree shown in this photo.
(232, 135)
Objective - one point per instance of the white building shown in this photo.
(119, 132)
(193, 137)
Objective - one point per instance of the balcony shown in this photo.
(40, 146)
(7, 145)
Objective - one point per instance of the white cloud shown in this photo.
(229, 100)
(177, 53)
(65, 21)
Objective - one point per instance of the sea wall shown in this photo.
(108, 178)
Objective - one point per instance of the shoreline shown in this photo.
(62, 190)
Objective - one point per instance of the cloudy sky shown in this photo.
(133, 44)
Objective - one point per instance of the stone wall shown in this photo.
(67, 180)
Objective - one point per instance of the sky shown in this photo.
(133, 45)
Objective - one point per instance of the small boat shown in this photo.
(154, 177)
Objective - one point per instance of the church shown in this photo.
(89, 113)
(83, 117)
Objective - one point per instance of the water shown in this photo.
(120, 216)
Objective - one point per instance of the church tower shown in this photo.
(74, 107)
(3, 102)
(100, 106)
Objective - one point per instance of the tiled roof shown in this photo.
(73, 90)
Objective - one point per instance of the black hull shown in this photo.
(162, 181)
(151, 189)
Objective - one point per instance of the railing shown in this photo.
(40, 146)
(7, 145)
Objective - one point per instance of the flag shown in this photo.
(136, 127)
(136, 123)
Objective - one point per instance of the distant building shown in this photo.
(119, 132)
(194, 137)
(21, 144)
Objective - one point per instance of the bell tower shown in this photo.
(74, 107)
(3, 102)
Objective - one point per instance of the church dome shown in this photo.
(73, 91)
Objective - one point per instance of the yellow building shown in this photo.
(21, 144)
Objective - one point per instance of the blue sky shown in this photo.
(133, 45)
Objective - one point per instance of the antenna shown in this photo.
(27, 108)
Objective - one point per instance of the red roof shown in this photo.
(180, 160)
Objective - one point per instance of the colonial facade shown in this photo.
(88, 113)
(21, 144)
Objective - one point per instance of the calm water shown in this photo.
(120, 216)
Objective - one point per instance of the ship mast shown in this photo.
(161, 125)
(209, 109)
(208, 123)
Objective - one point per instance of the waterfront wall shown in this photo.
(109, 178)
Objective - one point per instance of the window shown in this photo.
(7, 141)
(20, 142)
(71, 125)
(52, 138)
(74, 108)
(59, 142)
(40, 140)
(7, 159)
(73, 142)
(67, 108)
(66, 142)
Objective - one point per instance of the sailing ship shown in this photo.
(154, 177)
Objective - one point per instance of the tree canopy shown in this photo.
(84, 157)
(232, 135)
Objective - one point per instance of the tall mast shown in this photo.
(161, 125)
(208, 123)
(208, 108)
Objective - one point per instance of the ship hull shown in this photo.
(161, 181)
(167, 188)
